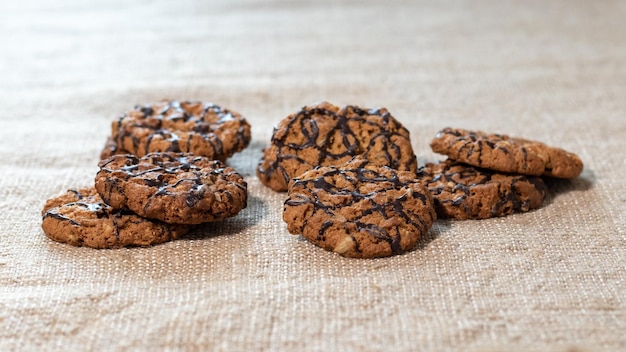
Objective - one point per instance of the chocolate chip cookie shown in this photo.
(359, 210)
(461, 191)
(180, 126)
(81, 218)
(326, 135)
(506, 154)
(177, 188)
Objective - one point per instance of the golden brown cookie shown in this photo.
(461, 191)
(506, 154)
(359, 210)
(179, 126)
(175, 188)
(326, 135)
(80, 218)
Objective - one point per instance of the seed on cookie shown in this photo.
(178, 188)
(326, 135)
(179, 126)
(461, 191)
(506, 154)
(360, 209)
(81, 218)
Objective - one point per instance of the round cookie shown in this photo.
(326, 135)
(172, 187)
(462, 191)
(359, 210)
(506, 154)
(180, 126)
(80, 218)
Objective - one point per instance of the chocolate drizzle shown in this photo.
(99, 209)
(348, 132)
(52, 213)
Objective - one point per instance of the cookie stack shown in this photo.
(489, 175)
(351, 179)
(354, 187)
(162, 171)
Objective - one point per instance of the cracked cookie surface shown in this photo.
(463, 192)
(506, 154)
(175, 188)
(326, 135)
(359, 210)
(81, 218)
(179, 126)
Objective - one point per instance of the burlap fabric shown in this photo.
(552, 279)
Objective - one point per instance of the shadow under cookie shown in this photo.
(558, 186)
(256, 211)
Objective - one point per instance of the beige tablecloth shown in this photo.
(551, 279)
